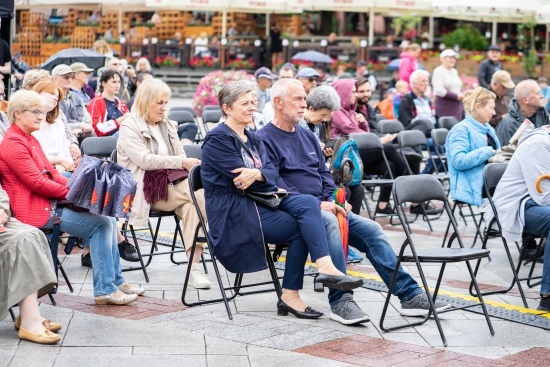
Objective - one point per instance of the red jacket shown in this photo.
(98, 110)
(22, 162)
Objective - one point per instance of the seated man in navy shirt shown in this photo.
(296, 153)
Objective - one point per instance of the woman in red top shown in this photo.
(24, 174)
(107, 111)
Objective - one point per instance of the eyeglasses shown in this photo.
(35, 112)
(313, 79)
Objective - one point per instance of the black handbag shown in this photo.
(269, 199)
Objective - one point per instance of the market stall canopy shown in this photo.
(249, 6)
(500, 11)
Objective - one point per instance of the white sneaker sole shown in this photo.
(361, 320)
(419, 312)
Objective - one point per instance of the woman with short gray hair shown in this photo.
(234, 159)
(321, 102)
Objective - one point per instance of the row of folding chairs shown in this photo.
(210, 118)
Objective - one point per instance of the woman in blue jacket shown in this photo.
(470, 144)
(238, 227)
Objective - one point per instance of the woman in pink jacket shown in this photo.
(409, 62)
(345, 121)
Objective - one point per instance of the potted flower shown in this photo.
(240, 64)
(204, 62)
(166, 61)
(212, 83)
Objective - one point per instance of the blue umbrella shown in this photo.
(394, 65)
(313, 56)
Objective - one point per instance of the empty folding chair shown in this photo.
(211, 119)
(193, 151)
(211, 108)
(447, 122)
(181, 117)
(184, 108)
(439, 136)
(421, 188)
(195, 184)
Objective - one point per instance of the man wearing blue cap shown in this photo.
(309, 78)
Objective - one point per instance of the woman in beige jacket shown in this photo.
(149, 141)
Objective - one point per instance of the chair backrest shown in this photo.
(390, 126)
(195, 182)
(367, 141)
(492, 174)
(439, 136)
(99, 146)
(411, 138)
(211, 108)
(181, 117)
(211, 116)
(184, 108)
(447, 122)
(418, 189)
(380, 117)
(193, 151)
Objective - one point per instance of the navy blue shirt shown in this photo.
(298, 158)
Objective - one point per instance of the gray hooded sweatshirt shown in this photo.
(517, 185)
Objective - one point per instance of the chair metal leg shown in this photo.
(143, 267)
(515, 279)
(448, 225)
(60, 267)
(480, 296)
(52, 300)
(12, 314)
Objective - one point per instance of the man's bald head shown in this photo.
(528, 96)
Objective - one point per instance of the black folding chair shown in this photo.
(491, 176)
(154, 251)
(101, 147)
(439, 136)
(380, 117)
(211, 119)
(390, 126)
(200, 135)
(421, 188)
(193, 151)
(181, 117)
(447, 122)
(370, 141)
(211, 108)
(195, 184)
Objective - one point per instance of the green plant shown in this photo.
(529, 60)
(405, 23)
(467, 37)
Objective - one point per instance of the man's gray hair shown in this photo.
(523, 89)
(280, 87)
(232, 91)
(417, 74)
(323, 97)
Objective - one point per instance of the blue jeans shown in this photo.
(367, 236)
(298, 222)
(102, 235)
(537, 221)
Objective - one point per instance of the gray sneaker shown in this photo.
(347, 312)
(419, 306)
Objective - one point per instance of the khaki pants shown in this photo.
(179, 200)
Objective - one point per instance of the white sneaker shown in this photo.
(197, 278)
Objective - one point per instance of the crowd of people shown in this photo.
(274, 136)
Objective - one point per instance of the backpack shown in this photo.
(345, 147)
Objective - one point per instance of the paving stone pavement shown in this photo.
(158, 330)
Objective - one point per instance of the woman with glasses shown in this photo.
(106, 109)
(32, 183)
(470, 144)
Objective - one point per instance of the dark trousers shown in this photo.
(373, 164)
(188, 131)
(355, 195)
(298, 222)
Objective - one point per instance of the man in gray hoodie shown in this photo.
(520, 206)
(527, 103)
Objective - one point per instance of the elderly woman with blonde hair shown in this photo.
(148, 141)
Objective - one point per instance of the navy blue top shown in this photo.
(298, 158)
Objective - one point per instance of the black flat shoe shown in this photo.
(340, 282)
(309, 313)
